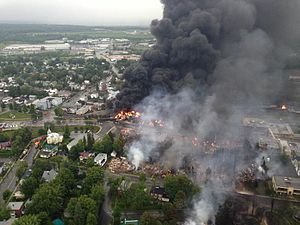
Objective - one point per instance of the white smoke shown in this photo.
(136, 156)
(205, 209)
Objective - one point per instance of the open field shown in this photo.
(14, 116)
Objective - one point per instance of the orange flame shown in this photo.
(123, 115)
(283, 107)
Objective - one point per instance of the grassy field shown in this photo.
(60, 129)
(14, 116)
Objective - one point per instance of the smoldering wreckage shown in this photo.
(214, 62)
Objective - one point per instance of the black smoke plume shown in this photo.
(214, 60)
(205, 43)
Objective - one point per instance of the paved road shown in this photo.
(106, 127)
(99, 55)
(10, 181)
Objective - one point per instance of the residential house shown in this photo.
(85, 155)
(32, 97)
(49, 175)
(101, 159)
(16, 208)
(159, 193)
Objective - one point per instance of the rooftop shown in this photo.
(130, 222)
(58, 222)
(49, 175)
(286, 182)
(15, 205)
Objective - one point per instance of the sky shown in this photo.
(81, 12)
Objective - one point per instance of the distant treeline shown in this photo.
(37, 33)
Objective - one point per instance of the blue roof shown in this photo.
(58, 222)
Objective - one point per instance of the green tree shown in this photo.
(97, 193)
(4, 213)
(28, 220)
(71, 206)
(3, 106)
(118, 145)
(171, 215)
(22, 167)
(42, 132)
(80, 208)
(117, 214)
(67, 132)
(65, 179)
(10, 106)
(6, 195)
(147, 219)
(59, 111)
(84, 142)
(29, 186)
(95, 175)
(79, 215)
(90, 141)
(75, 150)
(91, 219)
(104, 146)
(49, 125)
(76, 129)
(174, 184)
(48, 198)
(180, 199)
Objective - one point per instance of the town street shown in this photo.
(10, 181)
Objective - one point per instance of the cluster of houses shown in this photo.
(17, 207)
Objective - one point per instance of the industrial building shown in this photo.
(33, 48)
(47, 102)
(286, 185)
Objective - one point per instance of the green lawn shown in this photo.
(14, 116)
(60, 129)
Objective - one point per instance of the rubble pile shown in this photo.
(247, 175)
(118, 165)
(156, 170)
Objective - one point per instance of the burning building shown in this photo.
(214, 61)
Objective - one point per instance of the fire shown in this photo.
(283, 107)
(123, 115)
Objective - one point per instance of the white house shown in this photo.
(101, 159)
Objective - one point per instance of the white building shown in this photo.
(54, 138)
(95, 95)
(55, 101)
(47, 102)
(42, 104)
(100, 159)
